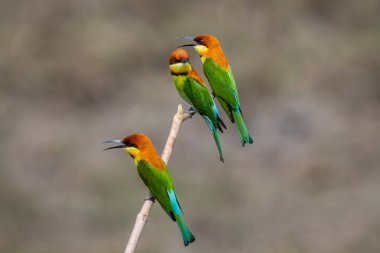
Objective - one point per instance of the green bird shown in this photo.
(219, 75)
(156, 177)
(192, 89)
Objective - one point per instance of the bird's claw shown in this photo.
(191, 112)
(151, 198)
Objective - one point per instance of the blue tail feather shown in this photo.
(187, 236)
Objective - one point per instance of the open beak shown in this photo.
(122, 144)
(188, 38)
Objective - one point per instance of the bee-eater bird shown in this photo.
(192, 89)
(219, 75)
(156, 177)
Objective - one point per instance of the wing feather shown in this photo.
(158, 183)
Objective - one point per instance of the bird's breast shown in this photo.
(179, 81)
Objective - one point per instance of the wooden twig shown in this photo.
(142, 216)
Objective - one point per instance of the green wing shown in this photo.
(158, 183)
(201, 100)
(198, 96)
(223, 86)
(203, 103)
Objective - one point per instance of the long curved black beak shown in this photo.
(123, 145)
(188, 45)
(188, 38)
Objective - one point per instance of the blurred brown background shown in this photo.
(74, 73)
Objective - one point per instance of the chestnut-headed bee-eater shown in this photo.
(156, 177)
(219, 75)
(192, 89)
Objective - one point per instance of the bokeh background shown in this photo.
(74, 73)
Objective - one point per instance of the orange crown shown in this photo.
(178, 55)
(207, 40)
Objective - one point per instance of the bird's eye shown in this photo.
(173, 61)
(130, 144)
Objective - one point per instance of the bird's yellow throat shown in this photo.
(180, 68)
(134, 152)
(201, 50)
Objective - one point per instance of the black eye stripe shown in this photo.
(173, 61)
(199, 41)
(130, 144)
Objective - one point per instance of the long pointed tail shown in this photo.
(187, 236)
(242, 129)
(215, 135)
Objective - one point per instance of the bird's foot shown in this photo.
(149, 197)
(191, 112)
